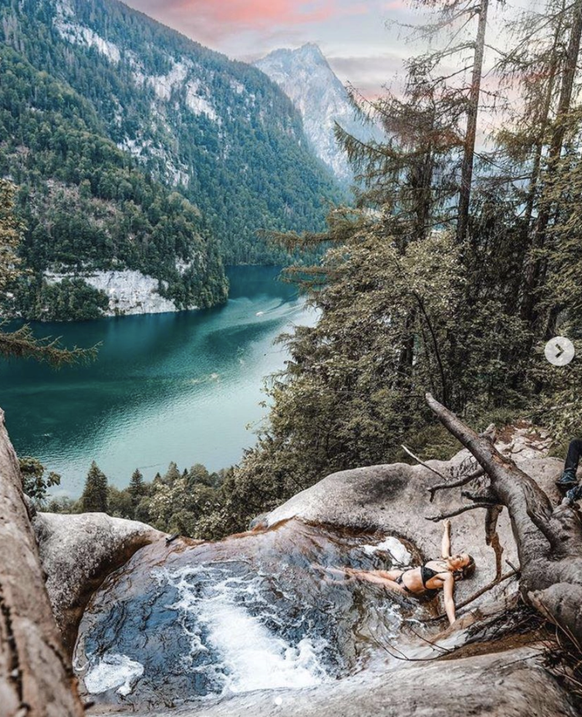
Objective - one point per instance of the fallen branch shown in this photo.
(549, 540)
(456, 483)
(459, 511)
(492, 537)
(486, 497)
(422, 463)
(512, 566)
(488, 587)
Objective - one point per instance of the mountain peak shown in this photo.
(307, 79)
(312, 50)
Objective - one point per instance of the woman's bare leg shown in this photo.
(344, 576)
(385, 578)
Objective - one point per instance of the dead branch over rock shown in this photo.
(35, 675)
(549, 540)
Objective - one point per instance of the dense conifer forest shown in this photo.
(133, 147)
(458, 262)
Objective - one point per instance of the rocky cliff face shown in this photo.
(307, 79)
(128, 292)
(35, 673)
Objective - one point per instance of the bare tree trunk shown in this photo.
(549, 540)
(543, 120)
(471, 134)
(36, 679)
(535, 270)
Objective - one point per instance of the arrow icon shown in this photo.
(559, 351)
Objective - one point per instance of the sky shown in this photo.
(358, 37)
(364, 41)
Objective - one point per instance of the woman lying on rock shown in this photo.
(425, 581)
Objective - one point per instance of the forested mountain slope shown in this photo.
(109, 122)
(87, 205)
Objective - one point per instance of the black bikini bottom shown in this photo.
(427, 595)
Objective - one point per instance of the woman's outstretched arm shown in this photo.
(446, 542)
(448, 590)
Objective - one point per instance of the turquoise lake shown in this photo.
(183, 387)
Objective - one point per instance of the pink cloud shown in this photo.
(396, 5)
(222, 18)
(253, 14)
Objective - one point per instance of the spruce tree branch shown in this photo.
(23, 344)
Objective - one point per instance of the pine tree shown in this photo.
(94, 498)
(540, 147)
(550, 204)
(137, 489)
(172, 474)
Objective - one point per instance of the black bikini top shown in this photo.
(427, 574)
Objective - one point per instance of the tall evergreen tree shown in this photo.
(94, 498)
(172, 474)
(471, 128)
(405, 305)
(137, 489)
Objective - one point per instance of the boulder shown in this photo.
(77, 553)
(395, 499)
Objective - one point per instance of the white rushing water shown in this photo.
(225, 617)
(391, 545)
(113, 671)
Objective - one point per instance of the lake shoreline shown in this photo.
(165, 387)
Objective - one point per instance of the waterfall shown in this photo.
(236, 625)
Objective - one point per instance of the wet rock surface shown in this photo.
(510, 684)
(252, 612)
(77, 552)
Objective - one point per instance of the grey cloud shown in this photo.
(368, 74)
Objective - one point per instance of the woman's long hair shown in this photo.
(466, 571)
